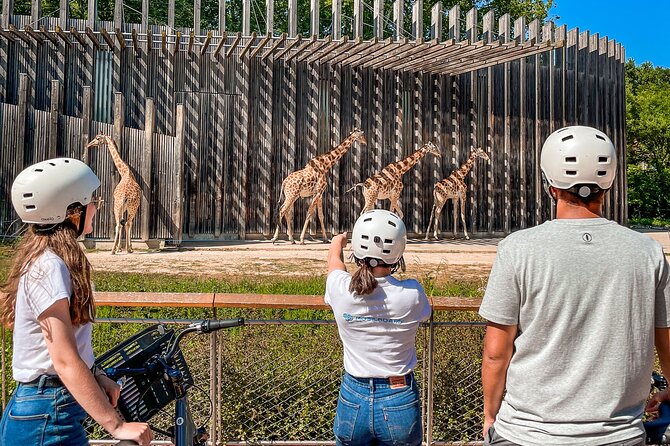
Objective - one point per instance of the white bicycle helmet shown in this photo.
(42, 192)
(578, 158)
(379, 235)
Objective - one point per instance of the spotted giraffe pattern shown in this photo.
(453, 188)
(387, 184)
(127, 194)
(311, 182)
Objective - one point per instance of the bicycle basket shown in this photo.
(144, 395)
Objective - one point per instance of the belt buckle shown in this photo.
(397, 382)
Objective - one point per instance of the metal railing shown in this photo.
(277, 380)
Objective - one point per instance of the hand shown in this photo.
(340, 240)
(487, 425)
(112, 389)
(656, 400)
(140, 433)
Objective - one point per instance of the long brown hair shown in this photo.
(61, 239)
(364, 282)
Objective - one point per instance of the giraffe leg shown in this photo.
(118, 213)
(370, 196)
(430, 221)
(289, 225)
(465, 228)
(455, 203)
(395, 203)
(310, 212)
(129, 242)
(283, 213)
(438, 212)
(319, 208)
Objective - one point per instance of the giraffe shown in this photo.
(311, 182)
(127, 193)
(453, 188)
(388, 182)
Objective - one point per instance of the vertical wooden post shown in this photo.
(117, 134)
(64, 16)
(398, 19)
(336, 138)
(246, 17)
(222, 16)
(292, 18)
(118, 13)
(24, 89)
(7, 11)
(534, 32)
(86, 118)
(378, 19)
(487, 23)
(145, 14)
(504, 35)
(314, 17)
(149, 130)
(488, 27)
(178, 183)
(358, 18)
(455, 22)
(196, 16)
(337, 20)
(171, 9)
(436, 21)
(471, 25)
(270, 17)
(520, 36)
(35, 13)
(55, 111)
(92, 13)
(417, 20)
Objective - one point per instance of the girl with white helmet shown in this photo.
(48, 301)
(377, 317)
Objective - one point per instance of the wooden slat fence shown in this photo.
(250, 121)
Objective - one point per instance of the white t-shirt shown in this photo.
(46, 282)
(378, 330)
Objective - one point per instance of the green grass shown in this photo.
(655, 222)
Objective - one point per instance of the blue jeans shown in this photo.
(42, 416)
(370, 412)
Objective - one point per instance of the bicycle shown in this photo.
(153, 372)
(658, 429)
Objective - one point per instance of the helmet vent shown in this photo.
(364, 247)
(30, 207)
(28, 195)
(365, 237)
(600, 137)
(39, 170)
(66, 161)
(52, 164)
(570, 159)
(388, 241)
(567, 138)
(571, 173)
(392, 223)
(602, 173)
(603, 159)
(368, 219)
(386, 251)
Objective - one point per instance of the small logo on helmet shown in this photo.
(587, 237)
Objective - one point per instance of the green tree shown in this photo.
(648, 135)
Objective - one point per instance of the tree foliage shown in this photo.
(648, 135)
(158, 14)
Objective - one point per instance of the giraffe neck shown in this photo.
(463, 171)
(406, 164)
(118, 162)
(323, 163)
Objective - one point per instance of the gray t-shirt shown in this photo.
(586, 295)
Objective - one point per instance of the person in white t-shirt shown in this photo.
(377, 318)
(48, 302)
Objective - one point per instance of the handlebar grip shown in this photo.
(211, 325)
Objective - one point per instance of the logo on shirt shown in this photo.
(587, 237)
(350, 318)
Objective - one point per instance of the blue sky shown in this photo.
(640, 25)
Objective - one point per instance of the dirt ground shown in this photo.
(448, 259)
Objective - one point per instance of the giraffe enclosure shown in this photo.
(211, 121)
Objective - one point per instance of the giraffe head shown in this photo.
(479, 152)
(432, 148)
(357, 135)
(99, 140)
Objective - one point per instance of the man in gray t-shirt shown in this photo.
(574, 306)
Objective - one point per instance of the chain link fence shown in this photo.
(278, 380)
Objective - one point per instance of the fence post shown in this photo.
(149, 130)
(417, 20)
(54, 115)
(213, 383)
(429, 390)
(35, 13)
(64, 17)
(24, 88)
(92, 13)
(118, 14)
(86, 117)
(7, 11)
(178, 181)
(117, 135)
(398, 16)
(337, 20)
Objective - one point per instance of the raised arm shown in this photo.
(78, 378)
(335, 255)
(498, 349)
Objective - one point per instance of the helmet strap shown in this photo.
(547, 188)
(82, 221)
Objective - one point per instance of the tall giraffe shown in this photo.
(453, 188)
(311, 182)
(388, 182)
(127, 194)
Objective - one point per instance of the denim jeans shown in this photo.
(42, 416)
(370, 412)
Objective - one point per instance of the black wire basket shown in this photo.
(142, 396)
